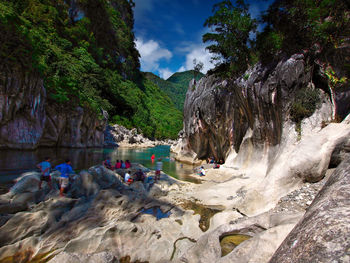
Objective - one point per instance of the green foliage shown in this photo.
(305, 104)
(299, 24)
(153, 112)
(176, 86)
(231, 25)
(86, 56)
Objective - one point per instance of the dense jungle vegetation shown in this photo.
(85, 52)
(176, 85)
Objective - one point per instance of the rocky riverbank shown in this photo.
(102, 219)
(117, 135)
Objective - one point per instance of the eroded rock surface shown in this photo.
(100, 219)
(323, 234)
(28, 120)
(267, 231)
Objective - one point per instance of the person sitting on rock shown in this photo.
(107, 163)
(45, 168)
(65, 169)
(202, 171)
(127, 178)
(127, 164)
(122, 164)
(118, 164)
(139, 176)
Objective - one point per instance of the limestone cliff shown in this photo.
(256, 111)
(28, 120)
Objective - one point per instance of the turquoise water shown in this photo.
(15, 162)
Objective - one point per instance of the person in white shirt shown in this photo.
(159, 167)
(202, 171)
(127, 177)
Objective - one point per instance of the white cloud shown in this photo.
(181, 69)
(199, 53)
(151, 53)
(165, 73)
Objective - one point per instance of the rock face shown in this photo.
(22, 110)
(218, 115)
(323, 234)
(266, 231)
(119, 135)
(28, 121)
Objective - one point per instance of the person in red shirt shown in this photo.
(153, 157)
(127, 164)
(118, 164)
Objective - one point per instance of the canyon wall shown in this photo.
(250, 118)
(29, 120)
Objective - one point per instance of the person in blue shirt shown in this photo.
(107, 163)
(45, 169)
(65, 169)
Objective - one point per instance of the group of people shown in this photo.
(119, 164)
(211, 160)
(65, 169)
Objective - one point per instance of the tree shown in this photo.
(231, 27)
(301, 24)
(197, 68)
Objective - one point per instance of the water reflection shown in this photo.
(15, 162)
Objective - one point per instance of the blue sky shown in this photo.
(169, 33)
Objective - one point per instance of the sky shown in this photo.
(169, 33)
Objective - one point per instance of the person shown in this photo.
(122, 165)
(127, 178)
(153, 157)
(118, 164)
(159, 166)
(45, 168)
(65, 169)
(140, 176)
(127, 164)
(202, 171)
(107, 163)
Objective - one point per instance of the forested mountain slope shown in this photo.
(176, 86)
(83, 54)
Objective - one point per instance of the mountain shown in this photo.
(183, 78)
(175, 86)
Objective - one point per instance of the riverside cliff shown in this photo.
(28, 121)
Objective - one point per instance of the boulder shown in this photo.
(322, 235)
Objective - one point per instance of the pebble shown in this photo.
(300, 199)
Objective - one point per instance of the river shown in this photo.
(15, 162)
